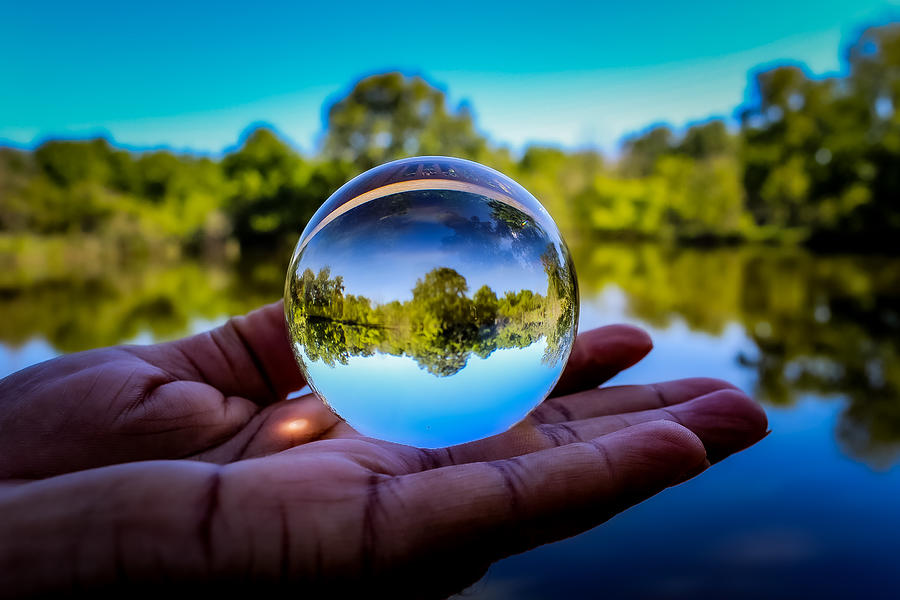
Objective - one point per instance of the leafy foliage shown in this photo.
(821, 153)
(389, 116)
(814, 158)
(439, 327)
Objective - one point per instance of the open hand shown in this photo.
(184, 464)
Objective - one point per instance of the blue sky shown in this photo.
(193, 75)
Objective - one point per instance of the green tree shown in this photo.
(875, 83)
(819, 152)
(69, 162)
(274, 191)
(390, 116)
(485, 307)
(559, 179)
(702, 198)
(708, 139)
(641, 151)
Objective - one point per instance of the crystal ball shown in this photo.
(431, 301)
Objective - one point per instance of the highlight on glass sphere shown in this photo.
(431, 301)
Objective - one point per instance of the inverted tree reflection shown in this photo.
(440, 327)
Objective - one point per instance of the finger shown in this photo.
(599, 354)
(91, 409)
(249, 356)
(508, 506)
(279, 427)
(174, 420)
(725, 420)
(624, 398)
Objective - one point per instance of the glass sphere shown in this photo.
(431, 301)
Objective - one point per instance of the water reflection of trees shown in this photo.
(75, 307)
(440, 327)
(827, 326)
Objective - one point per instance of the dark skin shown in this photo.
(182, 466)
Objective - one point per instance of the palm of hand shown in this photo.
(283, 489)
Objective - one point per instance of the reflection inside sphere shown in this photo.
(431, 301)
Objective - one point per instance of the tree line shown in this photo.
(808, 159)
(440, 327)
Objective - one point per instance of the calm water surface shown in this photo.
(814, 509)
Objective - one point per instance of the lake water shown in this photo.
(814, 509)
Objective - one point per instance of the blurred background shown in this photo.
(727, 175)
